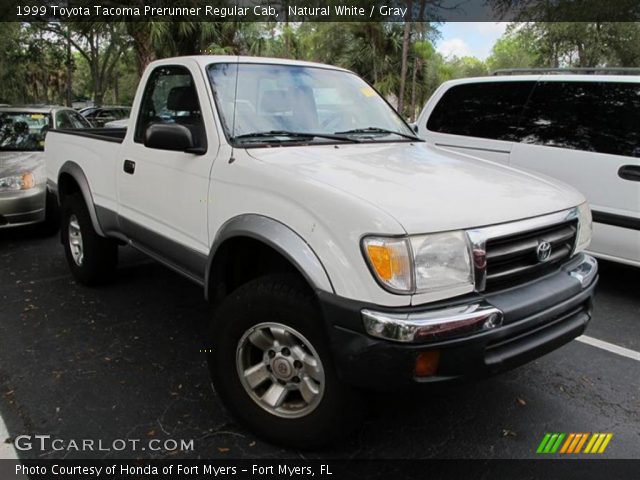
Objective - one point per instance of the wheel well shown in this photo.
(242, 259)
(67, 185)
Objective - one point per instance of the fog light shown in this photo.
(493, 321)
(427, 363)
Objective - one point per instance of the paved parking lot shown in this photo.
(123, 362)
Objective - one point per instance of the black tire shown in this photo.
(100, 255)
(279, 298)
(51, 223)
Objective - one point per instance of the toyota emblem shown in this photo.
(543, 251)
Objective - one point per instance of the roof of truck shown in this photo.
(547, 78)
(205, 60)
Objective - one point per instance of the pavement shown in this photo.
(123, 362)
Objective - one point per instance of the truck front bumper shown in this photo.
(472, 337)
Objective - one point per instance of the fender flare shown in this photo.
(76, 172)
(277, 236)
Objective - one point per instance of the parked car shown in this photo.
(340, 251)
(99, 116)
(23, 197)
(122, 123)
(581, 129)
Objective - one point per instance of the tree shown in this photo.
(99, 44)
(406, 40)
(423, 52)
(32, 65)
(514, 50)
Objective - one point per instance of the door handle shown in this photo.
(129, 167)
(630, 172)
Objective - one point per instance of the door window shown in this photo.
(601, 117)
(78, 120)
(486, 110)
(171, 97)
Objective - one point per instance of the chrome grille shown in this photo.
(514, 258)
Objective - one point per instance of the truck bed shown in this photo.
(115, 135)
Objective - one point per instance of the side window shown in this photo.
(591, 116)
(70, 119)
(486, 110)
(78, 120)
(63, 120)
(170, 96)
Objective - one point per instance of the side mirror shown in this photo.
(171, 136)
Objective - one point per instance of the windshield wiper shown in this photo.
(377, 130)
(271, 134)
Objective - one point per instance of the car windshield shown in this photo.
(23, 131)
(263, 103)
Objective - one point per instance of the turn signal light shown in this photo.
(389, 259)
(427, 363)
(28, 181)
(384, 261)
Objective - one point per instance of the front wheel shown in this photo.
(272, 368)
(92, 259)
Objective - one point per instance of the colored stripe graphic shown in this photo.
(550, 443)
(555, 447)
(594, 437)
(598, 443)
(565, 447)
(543, 443)
(573, 443)
(581, 442)
(605, 443)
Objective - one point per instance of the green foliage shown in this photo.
(106, 60)
(513, 50)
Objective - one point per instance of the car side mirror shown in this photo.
(171, 136)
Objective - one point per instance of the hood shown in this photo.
(425, 189)
(16, 163)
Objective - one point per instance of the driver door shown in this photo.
(163, 194)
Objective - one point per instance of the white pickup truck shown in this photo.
(340, 252)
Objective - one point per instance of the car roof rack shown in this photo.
(574, 70)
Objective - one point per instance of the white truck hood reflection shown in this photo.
(423, 188)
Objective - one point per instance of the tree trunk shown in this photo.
(406, 39)
(98, 92)
(116, 88)
(413, 89)
(143, 47)
(69, 94)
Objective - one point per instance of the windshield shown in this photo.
(284, 102)
(23, 131)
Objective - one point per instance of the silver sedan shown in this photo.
(23, 196)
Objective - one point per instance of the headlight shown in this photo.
(17, 182)
(585, 227)
(442, 261)
(421, 264)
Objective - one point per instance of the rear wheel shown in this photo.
(272, 368)
(92, 259)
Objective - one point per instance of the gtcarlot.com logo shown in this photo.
(573, 443)
(46, 443)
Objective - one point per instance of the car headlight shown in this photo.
(17, 182)
(422, 263)
(585, 227)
